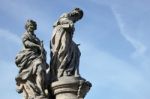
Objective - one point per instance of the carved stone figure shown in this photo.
(31, 60)
(36, 80)
(66, 82)
(65, 53)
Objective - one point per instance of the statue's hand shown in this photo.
(65, 25)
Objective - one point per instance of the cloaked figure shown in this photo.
(31, 60)
(65, 54)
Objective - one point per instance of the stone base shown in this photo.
(70, 87)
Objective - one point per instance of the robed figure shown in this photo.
(65, 53)
(31, 60)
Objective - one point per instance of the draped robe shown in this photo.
(65, 53)
(29, 60)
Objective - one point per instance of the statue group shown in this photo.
(60, 79)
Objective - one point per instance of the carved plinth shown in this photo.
(70, 88)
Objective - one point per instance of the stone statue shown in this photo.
(65, 53)
(66, 82)
(31, 61)
(60, 80)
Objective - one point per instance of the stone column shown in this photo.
(70, 87)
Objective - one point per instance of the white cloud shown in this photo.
(121, 6)
(5, 34)
(140, 48)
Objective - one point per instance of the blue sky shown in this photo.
(114, 37)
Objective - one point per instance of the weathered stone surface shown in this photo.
(65, 53)
(70, 87)
(31, 61)
(63, 81)
(66, 82)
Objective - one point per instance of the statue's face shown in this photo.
(75, 15)
(31, 27)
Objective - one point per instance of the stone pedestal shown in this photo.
(70, 87)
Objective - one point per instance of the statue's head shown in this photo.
(76, 14)
(30, 25)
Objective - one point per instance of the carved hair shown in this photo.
(30, 22)
(79, 11)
